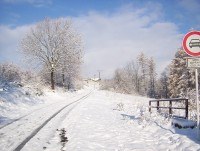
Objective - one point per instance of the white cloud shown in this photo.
(9, 41)
(111, 40)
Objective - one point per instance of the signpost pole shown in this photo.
(197, 101)
(191, 45)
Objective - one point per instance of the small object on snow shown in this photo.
(120, 107)
(27, 93)
(63, 138)
(20, 84)
(183, 123)
(1, 89)
(44, 147)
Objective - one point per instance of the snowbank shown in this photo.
(17, 100)
(183, 123)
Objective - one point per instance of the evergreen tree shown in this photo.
(181, 79)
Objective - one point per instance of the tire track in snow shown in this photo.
(15, 120)
(27, 139)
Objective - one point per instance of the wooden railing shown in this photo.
(170, 107)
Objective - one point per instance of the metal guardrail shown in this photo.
(170, 107)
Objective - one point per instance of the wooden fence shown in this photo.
(170, 107)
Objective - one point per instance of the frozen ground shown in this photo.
(107, 121)
(98, 121)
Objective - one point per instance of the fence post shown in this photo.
(186, 108)
(157, 105)
(150, 106)
(170, 107)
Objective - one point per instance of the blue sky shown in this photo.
(185, 13)
(114, 31)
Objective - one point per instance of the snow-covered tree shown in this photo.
(133, 77)
(126, 80)
(143, 65)
(51, 42)
(163, 84)
(181, 79)
(119, 81)
(152, 78)
(137, 77)
(10, 73)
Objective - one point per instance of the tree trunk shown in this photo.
(52, 80)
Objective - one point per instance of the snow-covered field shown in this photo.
(94, 121)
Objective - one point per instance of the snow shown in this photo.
(100, 124)
(183, 123)
(16, 101)
(99, 121)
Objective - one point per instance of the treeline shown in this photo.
(139, 76)
(13, 73)
(136, 77)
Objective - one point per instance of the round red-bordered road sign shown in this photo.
(191, 43)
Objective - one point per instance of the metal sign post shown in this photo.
(191, 45)
(197, 98)
(194, 62)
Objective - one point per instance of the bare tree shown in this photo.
(163, 91)
(143, 66)
(50, 42)
(132, 72)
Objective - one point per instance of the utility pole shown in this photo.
(99, 74)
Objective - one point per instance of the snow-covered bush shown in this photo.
(145, 118)
(120, 106)
(10, 73)
(107, 84)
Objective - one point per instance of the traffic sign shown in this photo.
(193, 62)
(191, 43)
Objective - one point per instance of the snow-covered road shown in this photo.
(101, 121)
(101, 124)
(15, 135)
